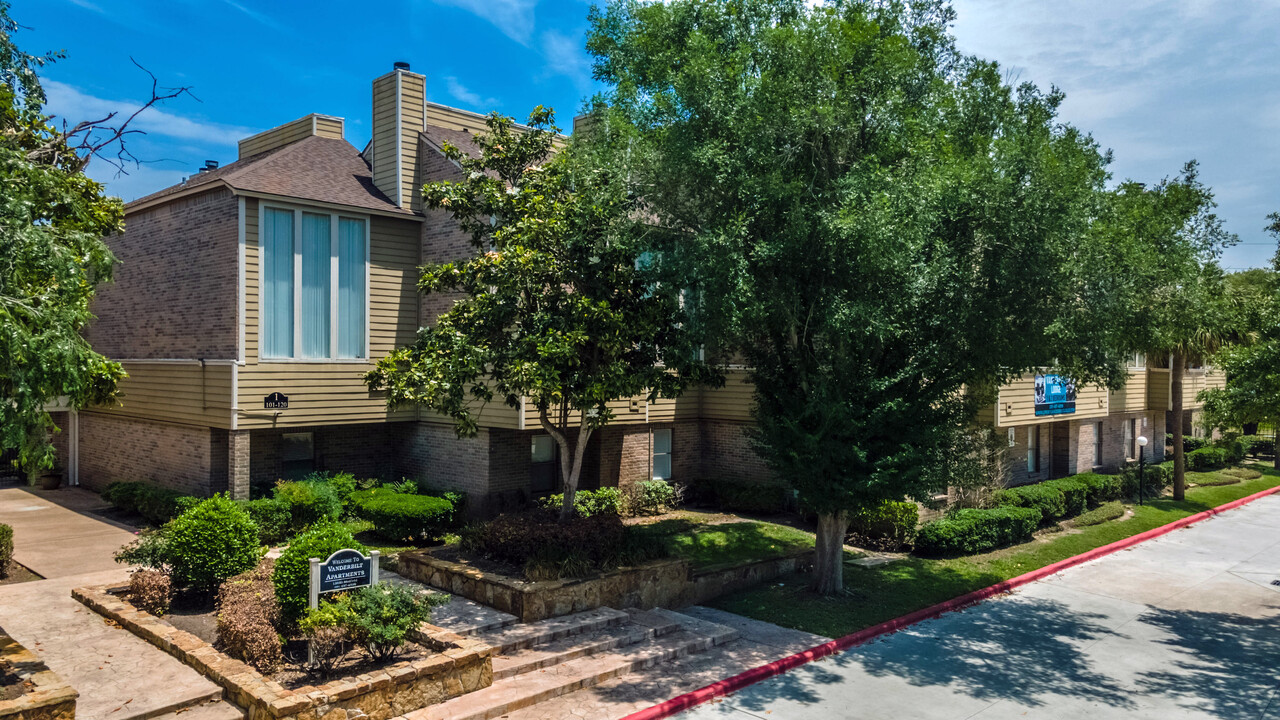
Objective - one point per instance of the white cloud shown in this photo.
(69, 103)
(459, 92)
(566, 56)
(135, 181)
(513, 17)
(257, 16)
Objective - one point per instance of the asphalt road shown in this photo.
(1183, 626)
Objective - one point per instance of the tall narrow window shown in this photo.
(315, 285)
(277, 283)
(1131, 438)
(351, 292)
(1097, 444)
(317, 248)
(662, 454)
(1033, 449)
(542, 468)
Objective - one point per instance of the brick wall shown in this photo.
(727, 453)
(173, 456)
(1018, 473)
(435, 453)
(175, 288)
(442, 241)
(1080, 453)
(363, 450)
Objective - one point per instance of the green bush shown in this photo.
(1075, 495)
(1158, 477)
(605, 501)
(1233, 449)
(381, 616)
(1242, 473)
(751, 497)
(651, 497)
(272, 516)
(156, 505)
(456, 499)
(211, 542)
(1041, 496)
(1101, 514)
(1100, 488)
(343, 483)
(292, 574)
(399, 517)
(545, 549)
(310, 502)
(149, 550)
(1256, 445)
(972, 531)
(1206, 458)
(6, 549)
(888, 526)
(1190, 443)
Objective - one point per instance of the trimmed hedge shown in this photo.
(292, 572)
(888, 526)
(972, 531)
(1256, 445)
(1190, 443)
(1101, 514)
(1075, 494)
(604, 501)
(1159, 476)
(1042, 497)
(272, 516)
(6, 549)
(399, 516)
(211, 542)
(1206, 458)
(1100, 488)
(310, 502)
(156, 505)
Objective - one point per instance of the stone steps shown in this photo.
(545, 660)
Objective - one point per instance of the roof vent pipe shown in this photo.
(400, 65)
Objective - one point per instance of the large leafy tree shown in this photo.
(1167, 238)
(556, 306)
(52, 222)
(880, 228)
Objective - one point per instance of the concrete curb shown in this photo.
(683, 702)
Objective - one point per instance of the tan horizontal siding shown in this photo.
(732, 402)
(180, 392)
(1016, 404)
(329, 127)
(1133, 396)
(1158, 390)
(291, 132)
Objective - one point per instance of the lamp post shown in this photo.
(1142, 465)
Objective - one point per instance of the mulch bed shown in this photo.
(18, 574)
(452, 553)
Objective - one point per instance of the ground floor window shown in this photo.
(1131, 438)
(542, 471)
(1033, 449)
(1097, 444)
(662, 454)
(297, 454)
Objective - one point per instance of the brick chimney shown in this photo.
(399, 114)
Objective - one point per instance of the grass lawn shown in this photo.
(880, 593)
(710, 545)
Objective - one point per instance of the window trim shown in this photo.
(334, 217)
(653, 453)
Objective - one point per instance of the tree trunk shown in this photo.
(571, 465)
(828, 555)
(1176, 368)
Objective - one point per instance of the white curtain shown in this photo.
(317, 249)
(277, 284)
(351, 290)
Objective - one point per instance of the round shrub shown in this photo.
(211, 542)
(1158, 477)
(971, 531)
(273, 517)
(398, 517)
(149, 591)
(651, 497)
(888, 526)
(292, 573)
(1043, 497)
(309, 502)
(1206, 458)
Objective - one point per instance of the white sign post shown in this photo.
(344, 570)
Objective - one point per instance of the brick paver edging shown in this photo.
(681, 703)
(50, 697)
(463, 665)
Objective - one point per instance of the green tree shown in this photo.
(556, 306)
(52, 222)
(880, 228)
(1176, 301)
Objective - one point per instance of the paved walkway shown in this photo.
(1184, 626)
(119, 676)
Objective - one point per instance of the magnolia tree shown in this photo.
(556, 305)
(880, 228)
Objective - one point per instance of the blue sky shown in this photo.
(1158, 81)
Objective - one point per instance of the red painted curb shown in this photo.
(681, 703)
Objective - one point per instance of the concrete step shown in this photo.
(212, 710)
(539, 685)
(516, 637)
(546, 655)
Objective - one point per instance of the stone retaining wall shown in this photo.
(661, 583)
(463, 665)
(50, 698)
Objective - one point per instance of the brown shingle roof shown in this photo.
(314, 168)
(464, 141)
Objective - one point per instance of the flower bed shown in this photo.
(463, 665)
(29, 690)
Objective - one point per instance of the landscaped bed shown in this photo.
(883, 592)
(29, 690)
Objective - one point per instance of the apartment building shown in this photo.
(251, 299)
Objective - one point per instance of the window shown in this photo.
(542, 472)
(1097, 444)
(1138, 360)
(314, 288)
(1033, 449)
(297, 455)
(1131, 438)
(662, 454)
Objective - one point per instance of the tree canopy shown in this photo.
(880, 227)
(557, 305)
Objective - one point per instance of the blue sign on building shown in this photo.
(1055, 395)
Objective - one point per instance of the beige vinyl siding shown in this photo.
(400, 121)
(384, 132)
(443, 116)
(413, 96)
(1016, 404)
(732, 402)
(291, 132)
(1133, 396)
(333, 392)
(1195, 381)
(177, 391)
(1158, 389)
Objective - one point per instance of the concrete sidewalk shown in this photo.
(1183, 626)
(55, 536)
